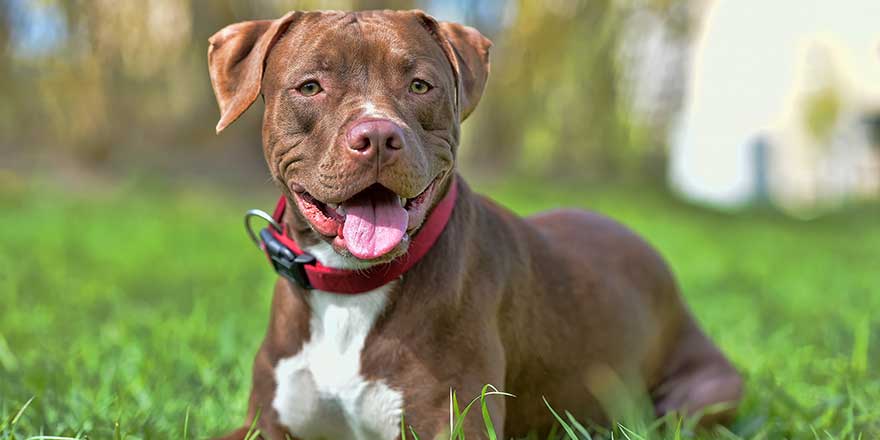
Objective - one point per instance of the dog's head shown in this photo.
(362, 115)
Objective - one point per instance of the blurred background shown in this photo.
(740, 137)
(583, 90)
(725, 101)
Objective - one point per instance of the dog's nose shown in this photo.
(368, 138)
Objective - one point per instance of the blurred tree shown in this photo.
(559, 102)
(103, 81)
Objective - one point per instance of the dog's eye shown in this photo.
(310, 88)
(419, 87)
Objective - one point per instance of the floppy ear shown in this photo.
(236, 57)
(468, 52)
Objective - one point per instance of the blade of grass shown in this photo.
(677, 435)
(20, 412)
(253, 433)
(627, 432)
(458, 427)
(578, 426)
(487, 419)
(186, 424)
(453, 411)
(51, 437)
(402, 427)
(565, 426)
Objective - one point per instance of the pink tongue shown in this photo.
(374, 223)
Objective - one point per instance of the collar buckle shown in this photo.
(285, 262)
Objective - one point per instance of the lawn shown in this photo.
(134, 312)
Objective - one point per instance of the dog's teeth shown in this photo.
(341, 211)
(402, 201)
(335, 206)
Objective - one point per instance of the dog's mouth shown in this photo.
(370, 224)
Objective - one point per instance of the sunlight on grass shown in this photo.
(135, 312)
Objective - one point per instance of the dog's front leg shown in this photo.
(429, 414)
(431, 372)
(438, 362)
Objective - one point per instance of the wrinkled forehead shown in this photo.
(357, 44)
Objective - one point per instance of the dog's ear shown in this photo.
(468, 52)
(236, 58)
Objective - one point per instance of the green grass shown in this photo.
(135, 312)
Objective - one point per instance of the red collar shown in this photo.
(344, 281)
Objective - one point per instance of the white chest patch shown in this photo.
(320, 392)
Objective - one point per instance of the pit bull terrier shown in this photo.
(413, 285)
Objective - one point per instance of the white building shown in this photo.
(777, 105)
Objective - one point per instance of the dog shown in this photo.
(360, 133)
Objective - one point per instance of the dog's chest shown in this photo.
(320, 392)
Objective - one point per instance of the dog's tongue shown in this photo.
(374, 223)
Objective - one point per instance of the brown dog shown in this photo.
(361, 128)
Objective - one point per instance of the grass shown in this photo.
(135, 312)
